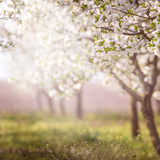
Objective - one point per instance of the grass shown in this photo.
(97, 137)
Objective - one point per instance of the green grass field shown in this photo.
(96, 137)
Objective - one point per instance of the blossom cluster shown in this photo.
(123, 26)
(127, 40)
(61, 50)
(10, 10)
(9, 45)
(64, 44)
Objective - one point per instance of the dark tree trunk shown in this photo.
(39, 101)
(133, 116)
(158, 106)
(62, 106)
(146, 100)
(50, 104)
(79, 104)
(149, 118)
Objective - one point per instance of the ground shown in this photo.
(97, 137)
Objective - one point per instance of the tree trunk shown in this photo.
(158, 106)
(62, 106)
(149, 118)
(133, 116)
(79, 104)
(51, 106)
(39, 101)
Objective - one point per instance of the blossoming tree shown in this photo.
(127, 27)
(62, 49)
(10, 10)
(124, 28)
(19, 66)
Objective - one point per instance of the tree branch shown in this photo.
(126, 88)
(125, 33)
(129, 34)
(155, 72)
(140, 73)
(88, 38)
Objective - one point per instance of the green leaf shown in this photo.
(143, 5)
(151, 45)
(152, 25)
(95, 37)
(83, 7)
(158, 34)
(96, 18)
(154, 40)
(106, 49)
(101, 43)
